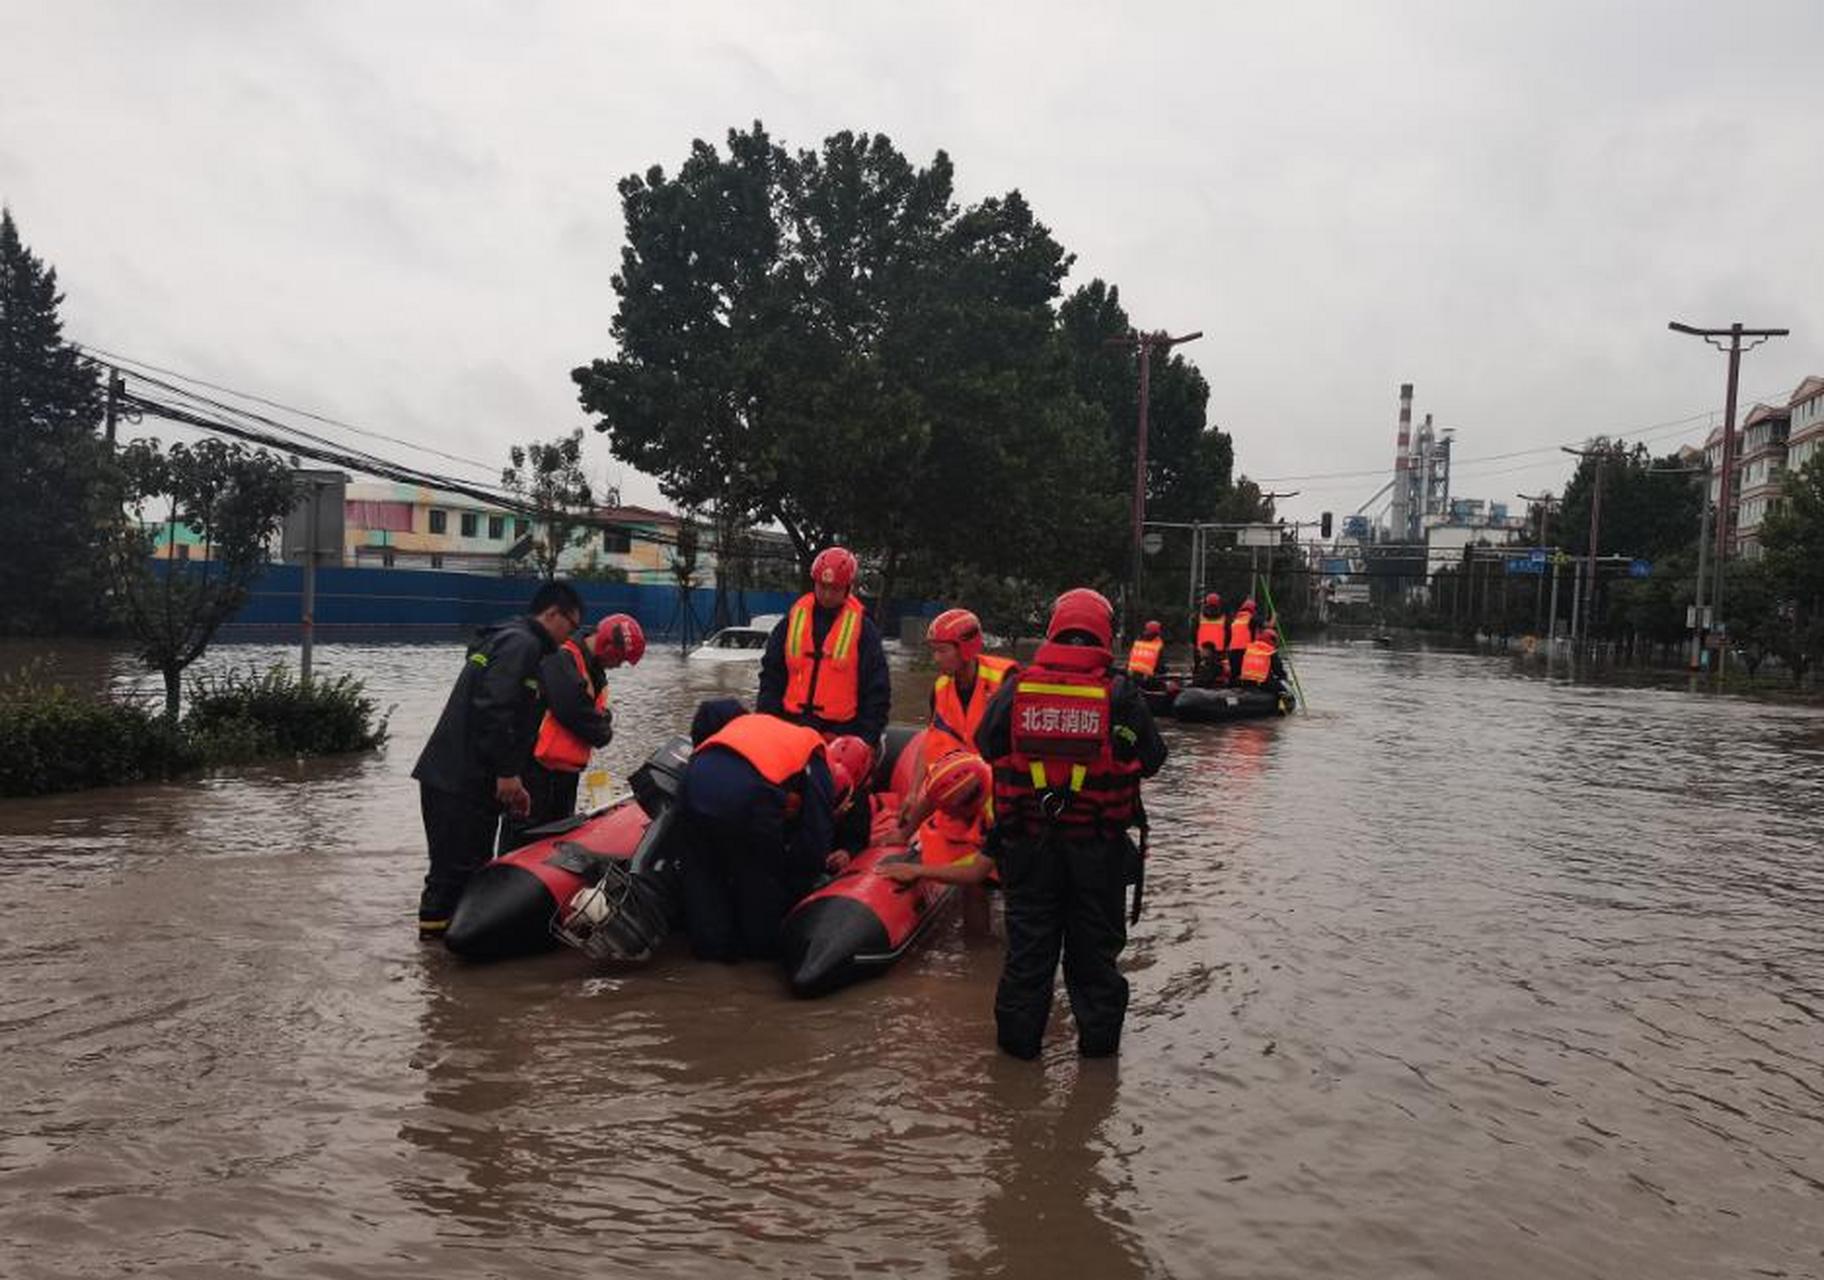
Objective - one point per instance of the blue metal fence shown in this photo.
(371, 602)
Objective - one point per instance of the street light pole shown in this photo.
(1144, 344)
(1545, 502)
(1724, 516)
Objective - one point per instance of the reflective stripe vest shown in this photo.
(1061, 775)
(950, 718)
(1143, 658)
(557, 748)
(1241, 629)
(1212, 631)
(1257, 662)
(778, 749)
(823, 682)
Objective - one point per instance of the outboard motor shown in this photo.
(628, 907)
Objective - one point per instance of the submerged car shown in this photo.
(738, 644)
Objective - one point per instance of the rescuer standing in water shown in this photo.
(824, 665)
(1069, 741)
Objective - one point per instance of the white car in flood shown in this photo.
(738, 644)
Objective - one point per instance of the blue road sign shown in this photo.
(1526, 566)
(1640, 569)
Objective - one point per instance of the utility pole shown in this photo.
(1544, 502)
(1725, 520)
(1143, 344)
(117, 387)
(1589, 578)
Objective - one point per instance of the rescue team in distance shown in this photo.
(1033, 772)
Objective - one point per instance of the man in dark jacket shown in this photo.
(471, 769)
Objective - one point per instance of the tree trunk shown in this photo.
(173, 688)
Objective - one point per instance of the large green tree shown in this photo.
(1650, 506)
(825, 340)
(1792, 538)
(57, 495)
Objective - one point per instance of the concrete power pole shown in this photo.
(1588, 583)
(1725, 515)
(1143, 344)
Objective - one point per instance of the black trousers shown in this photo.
(553, 793)
(1069, 896)
(459, 833)
(736, 886)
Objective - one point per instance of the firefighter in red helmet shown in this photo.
(824, 665)
(577, 720)
(967, 680)
(1069, 740)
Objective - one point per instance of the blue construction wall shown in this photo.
(370, 601)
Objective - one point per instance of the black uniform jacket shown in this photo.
(489, 724)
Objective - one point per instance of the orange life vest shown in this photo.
(557, 748)
(1241, 629)
(950, 719)
(778, 749)
(1212, 631)
(1143, 658)
(823, 682)
(1061, 774)
(1257, 662)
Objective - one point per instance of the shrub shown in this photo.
(56, 739)
(238, 717)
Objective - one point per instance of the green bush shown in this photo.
(238, 717)
(55, 739)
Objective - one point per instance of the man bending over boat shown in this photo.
(824, 665)
(761, 799)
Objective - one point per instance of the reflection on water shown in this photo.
(1463, 973)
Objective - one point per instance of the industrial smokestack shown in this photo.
(1402, 460)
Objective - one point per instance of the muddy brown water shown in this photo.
(1465, 973)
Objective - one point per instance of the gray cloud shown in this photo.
(405, 214)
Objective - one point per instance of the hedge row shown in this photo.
(56, 739)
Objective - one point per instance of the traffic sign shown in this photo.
(1526, 566)
(1640, 569)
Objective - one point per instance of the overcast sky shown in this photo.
(404, 214)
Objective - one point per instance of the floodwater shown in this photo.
(1469, 972)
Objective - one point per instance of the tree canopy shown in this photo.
(827, 340)
(57, 488)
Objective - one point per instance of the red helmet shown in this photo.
(1086, 610)
(1212, 603)
(1247, 604)
(618, 638)
(960, 628)
(834, 565)
(1152, 630)
(852, 754)
(1270, 632)
(959, 783)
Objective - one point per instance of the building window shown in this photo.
(440, 521)
(183, 551)
(617, 541)
(470, 522)
(436, 561)
(521, 526)
(497, 527)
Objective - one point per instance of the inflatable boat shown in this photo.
(606, 883)
(1161, 695)
(1203, 706)
(859, 923)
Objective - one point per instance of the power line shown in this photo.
(117, 358)
(1650, 431)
